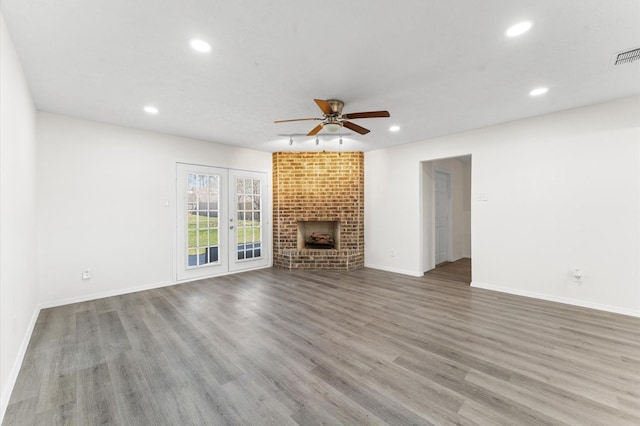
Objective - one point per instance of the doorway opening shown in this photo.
(446, 215)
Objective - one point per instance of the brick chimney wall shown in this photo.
(318, 186)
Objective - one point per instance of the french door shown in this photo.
(222, 218)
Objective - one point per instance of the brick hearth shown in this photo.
(318, 186)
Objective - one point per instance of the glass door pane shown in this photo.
(248, 227)
(202, 219)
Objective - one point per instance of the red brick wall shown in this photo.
(318, 186)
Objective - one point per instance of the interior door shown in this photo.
(442, 215)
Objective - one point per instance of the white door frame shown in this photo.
(427, 210)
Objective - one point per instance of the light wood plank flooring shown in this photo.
(363, 347)
(455, 272)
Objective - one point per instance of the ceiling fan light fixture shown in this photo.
(331, 127)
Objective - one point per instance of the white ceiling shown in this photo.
(439, 67)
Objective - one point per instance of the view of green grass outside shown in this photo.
(206, 228)
(248, 232)
(193, 220)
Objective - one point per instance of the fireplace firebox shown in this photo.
(318, 235)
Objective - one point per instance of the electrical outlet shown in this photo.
(577, 275)
(86, 274)
(392, 253)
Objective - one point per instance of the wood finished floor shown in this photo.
(363, 347)
(456, 272)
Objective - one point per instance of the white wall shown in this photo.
(563, 192)
(18, 206)
(101, 192)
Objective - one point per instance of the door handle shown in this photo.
(231, 227)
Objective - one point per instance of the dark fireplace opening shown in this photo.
(319, 241)
(318, 235)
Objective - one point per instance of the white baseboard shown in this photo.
(110, 293)
(551, 298)
(121, 291)
(395, 270)
(13, 374)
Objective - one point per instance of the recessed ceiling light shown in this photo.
(200, 45)
(539, 91)
(150, 109)
(519, 28)
(394, 128)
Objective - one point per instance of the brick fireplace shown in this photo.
(319, 193)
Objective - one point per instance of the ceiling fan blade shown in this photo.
(370, 114)
(324, 106)
(355, 127)
(296, 119)
(315, 130)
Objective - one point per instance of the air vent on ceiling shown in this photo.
(628, 56)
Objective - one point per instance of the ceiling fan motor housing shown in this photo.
(336, 106)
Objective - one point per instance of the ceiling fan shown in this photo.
(333, 118)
